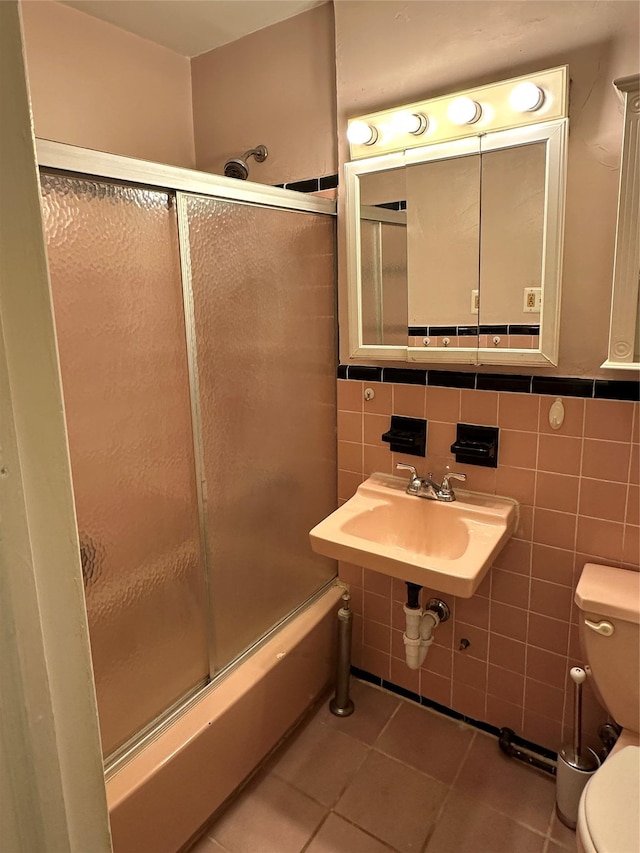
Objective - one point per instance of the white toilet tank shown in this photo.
(609, 601)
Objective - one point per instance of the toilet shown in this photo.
(609, 810)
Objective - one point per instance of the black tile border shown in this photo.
(436, 331)
(503, 382)
(392, 205)
(401, 691)
(561, 387)
(462, 331)
(616, 389)
(523, 329)
(363, 675)
(494, 330)
(404, 376)
(311, 185)
(328, 182)
(555, 386)
(366, 374)
(451, 379)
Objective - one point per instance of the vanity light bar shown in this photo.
(463, 111)
(521, 101)
(361, 133)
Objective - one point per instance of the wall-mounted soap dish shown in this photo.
(407, 435)
(476, 445)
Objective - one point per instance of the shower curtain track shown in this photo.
(97, 164)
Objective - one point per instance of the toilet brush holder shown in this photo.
(570, 782)
(575, 764)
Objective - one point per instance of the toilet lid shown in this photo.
(611, 803)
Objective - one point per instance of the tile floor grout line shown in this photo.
(352, 776)
(496, 806)
(388, 723)
(548, 842)
(410, 766)
(447, 796)
(330, 808)
(464, 759)
(365, 831)
(315, 832)
(305, 794)
(439, 814)
(550, 823)
(372, 748)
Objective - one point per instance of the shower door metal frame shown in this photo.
(81, 162)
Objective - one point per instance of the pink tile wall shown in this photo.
(578, 492)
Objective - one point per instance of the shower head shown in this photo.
(237, 166)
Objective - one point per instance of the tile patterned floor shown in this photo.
(392, 777)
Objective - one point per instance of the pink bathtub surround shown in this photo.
(578, 494)
(160, 799)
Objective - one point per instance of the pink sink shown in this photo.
(445, 546)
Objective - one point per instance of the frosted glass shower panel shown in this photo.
(115, 273)
(264, 296)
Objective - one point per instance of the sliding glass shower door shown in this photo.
(264, 304)
(115, 275)
(197, 349)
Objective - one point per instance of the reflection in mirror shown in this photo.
(383, 257)
(513, 206)
(624, 332)
(451, 251)
(455, 250)
(443, 233)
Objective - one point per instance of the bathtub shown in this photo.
(161, 798)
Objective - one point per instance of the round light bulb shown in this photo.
(406, 122)
(526, 97)
(361, 133)
(464, 111)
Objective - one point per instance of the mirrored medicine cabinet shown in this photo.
(454, 241)
(624, 334)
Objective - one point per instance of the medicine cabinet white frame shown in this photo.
(554, 134)
(625, 308)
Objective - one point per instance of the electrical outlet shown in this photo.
(475, 301)
(532, 300)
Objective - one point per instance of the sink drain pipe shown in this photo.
(420, 625)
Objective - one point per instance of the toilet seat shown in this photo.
(609, 814)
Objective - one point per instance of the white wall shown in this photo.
(51, 777)
(97, 86)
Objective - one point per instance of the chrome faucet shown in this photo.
(426, 487)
